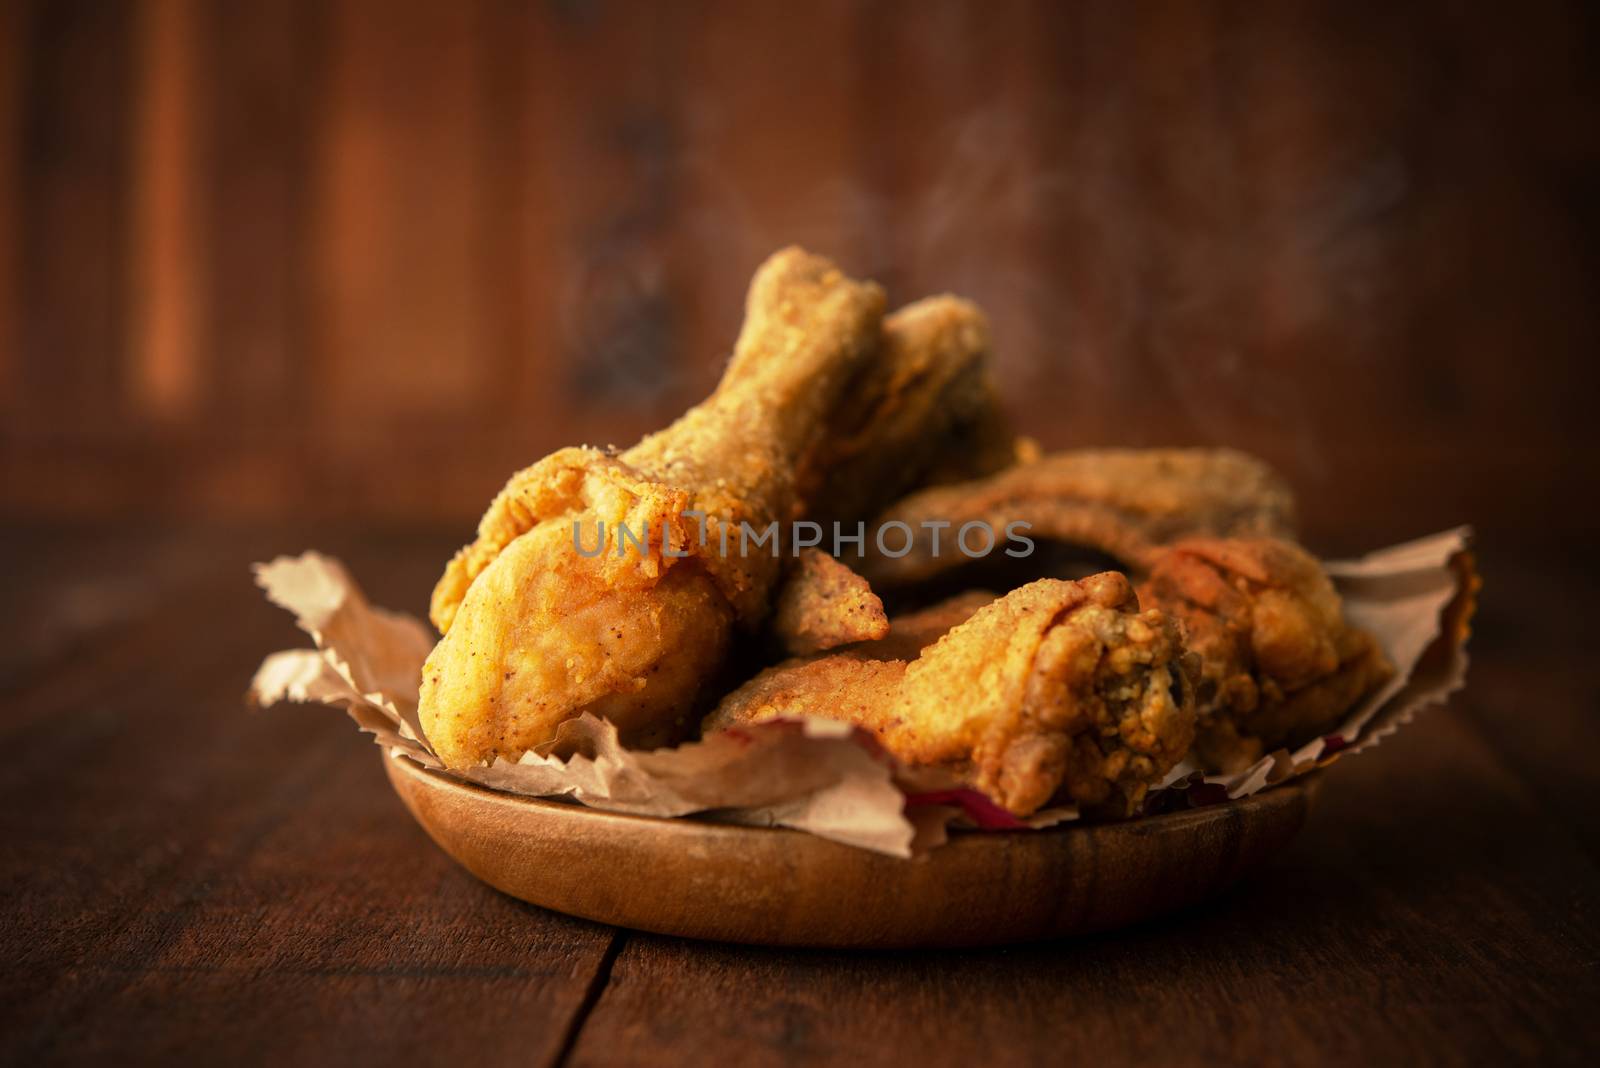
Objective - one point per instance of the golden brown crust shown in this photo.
(923, 411)
(568, 482)
(537, 632)
(807, 329)
(822, 605)
(1058, 690)
(1124, 503)
(1279, 664)
(912, 632)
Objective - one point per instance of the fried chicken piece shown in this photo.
(1057, 690)
(538, 630)
(912, 632)
(923, 411)
(822, 605)
(1279, 664)
(1124, 503)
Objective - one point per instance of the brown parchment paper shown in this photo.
(823, 777)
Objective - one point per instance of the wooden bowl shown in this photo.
(769, 886)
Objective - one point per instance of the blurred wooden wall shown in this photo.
(286, 258)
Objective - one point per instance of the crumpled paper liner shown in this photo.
(1417, 599)
(828, 778)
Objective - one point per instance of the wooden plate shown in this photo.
(708, 880)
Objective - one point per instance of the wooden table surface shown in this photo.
(187, 880)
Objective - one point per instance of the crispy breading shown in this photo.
(822, 605)
(923, 410)
(911, 632)
(1279, 663)
(1059, 690)
(537, 631)
(1124, 503)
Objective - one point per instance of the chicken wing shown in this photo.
(1124, 503)
(1279, 664)
(1058, 690)
(606, 584)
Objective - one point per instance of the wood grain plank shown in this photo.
(604, 276)
(1348, 242)
(399, 182)
(1428, 914)
(517, 332)
(1531, 690)
(74, 158)
(167, 276)
(12, 67)
(187, 881)
(770, 152)
(1329, 179)
(68, 586)
(1089, 234)
(953, 99)
(264, 62)
(1265, 211)
(1489, 263)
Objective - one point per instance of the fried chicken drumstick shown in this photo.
(537, 631)
(923, 411)
(1059, 690)
(1279, 664)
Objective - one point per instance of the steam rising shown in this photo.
(1132, 300)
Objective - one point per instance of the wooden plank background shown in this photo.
(285, 258)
